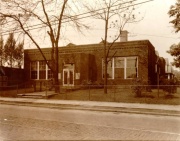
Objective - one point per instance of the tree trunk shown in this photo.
(105, 57)
(105, 76)
(56, 80)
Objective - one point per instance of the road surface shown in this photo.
(35, 123)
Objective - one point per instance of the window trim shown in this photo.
(38, 70)
(125, 67)
(31, 70)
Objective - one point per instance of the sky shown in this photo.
(154, 27)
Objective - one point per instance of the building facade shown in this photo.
(78, 63)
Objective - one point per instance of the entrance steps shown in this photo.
(37, 95)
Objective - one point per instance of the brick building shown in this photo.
(11, 76)
(128, 60)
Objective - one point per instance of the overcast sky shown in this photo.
(155, 27)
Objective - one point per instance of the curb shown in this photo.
(117, 110)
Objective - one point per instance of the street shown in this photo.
(35, 123)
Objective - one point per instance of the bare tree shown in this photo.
(49, 15)
(1, 50)
(1, 42)
(115, 14)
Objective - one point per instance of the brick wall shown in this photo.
(14, 76)
(88, 59)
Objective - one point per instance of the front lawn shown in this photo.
(120, 95)
(124, 95)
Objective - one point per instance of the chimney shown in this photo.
(124, 36)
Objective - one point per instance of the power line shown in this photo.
(156, 35)
(90, 11)
(142, 34)
(42, 25)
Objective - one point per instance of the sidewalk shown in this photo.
(172, 110)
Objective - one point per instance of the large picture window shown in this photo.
(122, 68)
(40, 70)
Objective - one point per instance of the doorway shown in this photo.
(68, 76)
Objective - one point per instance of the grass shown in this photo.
(124, 95)
(121, 95)
(14, 91)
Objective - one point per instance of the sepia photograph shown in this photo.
(90, 70)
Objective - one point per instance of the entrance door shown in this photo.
(68, 77)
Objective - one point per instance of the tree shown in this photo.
(1, 51)
(175, 52)
(115, 14)
(9, 48)
(18, 54)
(175, 48)
(48, 15)
(12, 52)
(175, 12)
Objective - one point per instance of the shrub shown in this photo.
(138, 86)
(96, 84)
(168, 85)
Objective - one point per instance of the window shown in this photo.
(122, 67)
(131, 67)
(40, 70)
(119, 67)
(109, 69)
(34, 70)
(49, 71)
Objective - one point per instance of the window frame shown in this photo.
(36, 70)
(132, 67)
(45, 68)
(112, 67)
(124, 69)
(42, 69)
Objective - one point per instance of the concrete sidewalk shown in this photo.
(173, 110)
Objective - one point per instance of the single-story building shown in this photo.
(77, 63)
